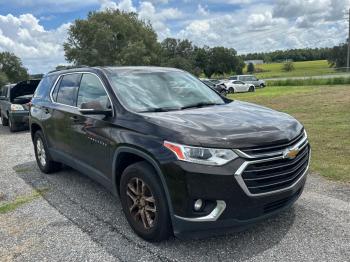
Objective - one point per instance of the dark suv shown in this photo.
(182, 158)
(14, 104)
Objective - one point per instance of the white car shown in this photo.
(249, 79)
(236, 86)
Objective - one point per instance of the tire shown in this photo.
(223, 92)
(155, 224)
(43, 158)
(262, 85)
(251, 89)
(12, 126)
(4, 121)
(231, 90)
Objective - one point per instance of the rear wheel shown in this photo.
(251, 89)
(262, 85)
(144, 202)
(4, 121)
(231, 90)
(43, 158)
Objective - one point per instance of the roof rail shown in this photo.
(68, 67)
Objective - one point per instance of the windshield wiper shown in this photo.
(160, 109)
(201, 104)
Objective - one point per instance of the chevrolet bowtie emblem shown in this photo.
(291, 153)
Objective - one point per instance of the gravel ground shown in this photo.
(75, 219)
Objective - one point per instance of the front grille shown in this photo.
(275, 147)
(272, 175)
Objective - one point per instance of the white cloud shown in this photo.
(202, 10)
(124, 5)
(40, 50)
(158, 18)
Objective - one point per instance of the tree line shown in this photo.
(296, 55)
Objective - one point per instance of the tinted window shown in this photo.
(92, 93)
(44, 87)
(68, 88)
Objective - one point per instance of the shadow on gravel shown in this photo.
(99, 214)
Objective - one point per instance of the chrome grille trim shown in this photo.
(302, 143)
(299, 163)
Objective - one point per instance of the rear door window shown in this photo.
(68, 88)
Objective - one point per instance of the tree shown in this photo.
(288, 66)
(3, 79)
(112, 37)
(251, 68)
(337, 56)
(223, 60)
(13, 68)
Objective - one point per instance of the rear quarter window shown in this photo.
(44, 87)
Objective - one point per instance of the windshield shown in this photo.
(143, 90)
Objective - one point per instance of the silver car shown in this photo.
(249, 79)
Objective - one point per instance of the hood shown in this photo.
(234, 125)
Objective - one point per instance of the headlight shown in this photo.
(200, 155)
(15, 107)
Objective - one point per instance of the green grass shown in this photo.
(19, 201)
(325, 112)
(310, 81)
(308, 68)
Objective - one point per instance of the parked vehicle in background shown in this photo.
(249, 79)
(219, 87)
(236, 86)
(182, 158)
(14, 104)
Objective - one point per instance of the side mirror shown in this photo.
(94, 108)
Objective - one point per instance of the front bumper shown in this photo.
(20, 118)
(231, 207)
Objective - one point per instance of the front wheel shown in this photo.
(144, 202)
(12, 125)
(43, 158)
(262, 85)
(251, 89)
(4, 121)
(231, 90)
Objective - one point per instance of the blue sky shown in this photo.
(35, 29)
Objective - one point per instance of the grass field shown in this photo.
(309, 68)
(310, 81)
(325, 112)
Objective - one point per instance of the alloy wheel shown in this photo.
(141, 203)
(40, 149)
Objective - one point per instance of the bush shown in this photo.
(251, 68)
(288, 66)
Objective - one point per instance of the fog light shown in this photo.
(198, 204)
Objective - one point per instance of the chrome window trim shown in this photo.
(276, 153)
(213, 216)
(240, 181)
(78, 72)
